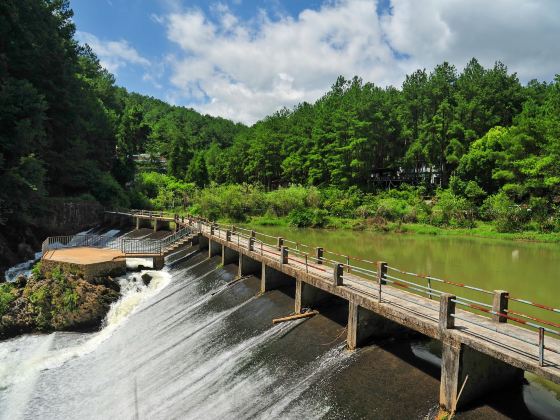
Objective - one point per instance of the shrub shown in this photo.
(307, 217)
(235, 202)
(342, 203)
(284, 200)
(393, 209)
(6, 297)
(508, 216)
(452, 210)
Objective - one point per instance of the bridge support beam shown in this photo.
(202, 242)
(214, 248)
(158, 262)
(308, 296)
(248, 265)
(142, 223)
(229, 256)
(273, 279)
(485, 373)
(364, 324)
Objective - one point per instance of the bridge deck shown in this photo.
(504, 341)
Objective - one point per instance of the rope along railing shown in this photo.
(424, 288)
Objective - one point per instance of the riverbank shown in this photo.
(480, 230)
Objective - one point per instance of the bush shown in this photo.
(282, 201)
(161, 191)
(108, 191)
(342, 203)
(452, 210)
(235, 202)
(6, 297)
(393, 209)
(508, 216)
(307, 217)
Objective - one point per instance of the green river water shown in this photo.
(527, 270)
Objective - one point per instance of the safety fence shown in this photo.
(128, 246)
(493, 306)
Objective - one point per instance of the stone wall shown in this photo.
(65, 218)
(88, 271)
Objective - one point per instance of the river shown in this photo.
(188, 346)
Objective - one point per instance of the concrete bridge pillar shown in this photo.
(364, 324)
(202, 242)
(229, 256)
(142, 223)
(214, 248)
(158, 262)
(308, 296)
(273, 279)
(248, 265)
(485, 373)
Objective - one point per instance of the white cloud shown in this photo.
(113, 54)
(523, 34)
(244, 70)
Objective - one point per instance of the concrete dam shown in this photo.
(203, 346)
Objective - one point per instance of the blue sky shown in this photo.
(243, 59)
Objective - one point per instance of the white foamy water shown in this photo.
(22, 359)
(175, 349)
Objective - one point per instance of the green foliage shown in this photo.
(452, 210)
(508, 216)
(306, 217)
(234, 202)
(284, 200)
(36, 270)
(67, 130)
(7, 296)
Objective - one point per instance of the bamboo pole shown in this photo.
(294, 317)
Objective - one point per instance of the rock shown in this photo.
(46, 304)
(20, 281)
(146, 279)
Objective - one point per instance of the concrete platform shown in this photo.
(83, 255)
(88, 262)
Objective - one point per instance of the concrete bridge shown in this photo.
(486, 345)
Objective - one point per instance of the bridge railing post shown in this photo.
(500, 306)
(319, 255)
(541, 346)
(446, 311)
(338, 269)
(381, 276)
(284, 255)
(280, 243)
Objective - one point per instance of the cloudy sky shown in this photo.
(244, 59)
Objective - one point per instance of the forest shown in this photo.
(449, 147)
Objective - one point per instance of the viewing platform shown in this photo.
(86, 261)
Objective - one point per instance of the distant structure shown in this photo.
(148, 162)
(387, 178)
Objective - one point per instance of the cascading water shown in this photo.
(191, 346)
